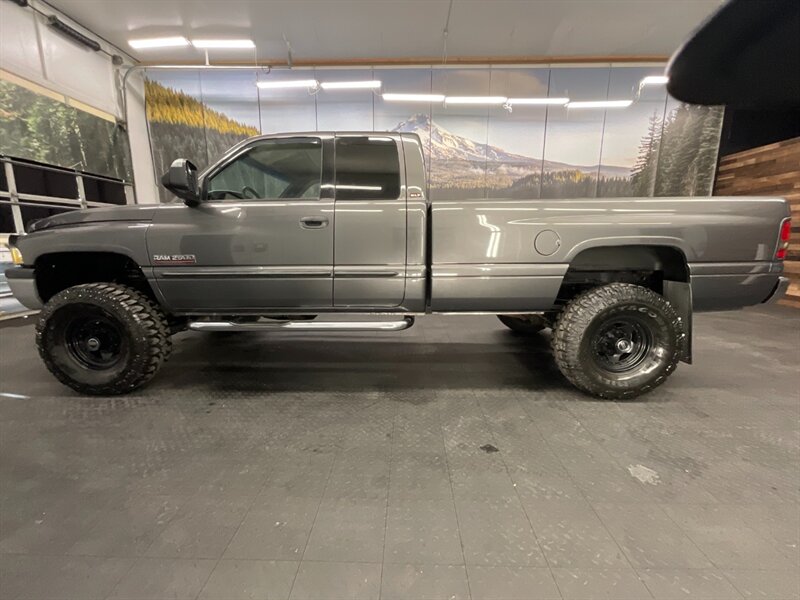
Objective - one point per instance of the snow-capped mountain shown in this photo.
(444, 145)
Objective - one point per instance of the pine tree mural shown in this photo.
(183, 127)
(643, 178)
(37, 127)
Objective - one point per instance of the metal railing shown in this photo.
(16, 199)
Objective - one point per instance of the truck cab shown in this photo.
(317, 222)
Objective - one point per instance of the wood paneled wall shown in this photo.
(772, 170)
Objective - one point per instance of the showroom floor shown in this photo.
(449, 461)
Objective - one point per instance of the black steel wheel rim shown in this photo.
(96, 341)
(621, 344)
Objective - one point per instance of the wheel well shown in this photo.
(648, 266)
(58, 271)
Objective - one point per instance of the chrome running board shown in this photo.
(303, 325)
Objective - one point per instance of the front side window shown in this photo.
(271, 170)
(367, 168)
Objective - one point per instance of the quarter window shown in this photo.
(367, 168)
(271, 170)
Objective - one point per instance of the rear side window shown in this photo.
(367, 168)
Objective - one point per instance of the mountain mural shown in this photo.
(676, 152)
(444, 145)
(460, 166)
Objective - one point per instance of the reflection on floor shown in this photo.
(364, 466)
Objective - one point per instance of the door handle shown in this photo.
(313, 222)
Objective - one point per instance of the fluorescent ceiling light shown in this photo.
(414, 97)
(223, 44)
(655, 80)
(601, 104)
(475, 100)
(350, 85)
(165, 42)
(291, 83)
(559, 101)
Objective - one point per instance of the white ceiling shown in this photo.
(351, 29)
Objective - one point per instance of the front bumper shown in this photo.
(22, 281)
(779, 291)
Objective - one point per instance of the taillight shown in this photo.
(783, 241)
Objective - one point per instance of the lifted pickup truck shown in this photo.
(286, 228)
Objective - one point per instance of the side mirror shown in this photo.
(181, 180)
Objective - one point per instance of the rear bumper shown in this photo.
(779, 291)
(22, 282)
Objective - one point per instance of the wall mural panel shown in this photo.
(42, 128)
(656, 146)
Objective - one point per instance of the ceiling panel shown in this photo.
(352, 29)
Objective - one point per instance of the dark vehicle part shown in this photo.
(746, 55)
(181, 180)
(618, 341)
(102, 338)
(524, 323)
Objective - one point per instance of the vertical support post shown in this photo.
(81, 190)
(129, 197)
(16, 212)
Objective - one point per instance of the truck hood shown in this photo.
(138, 213)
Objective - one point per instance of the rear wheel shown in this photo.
(102, 338)
(618, 341)
(524, 323)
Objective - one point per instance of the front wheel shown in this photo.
(102, 338)
(618, 341)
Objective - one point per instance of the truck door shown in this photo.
(370, 209)
(261, 239)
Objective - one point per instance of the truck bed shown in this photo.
(513, 254)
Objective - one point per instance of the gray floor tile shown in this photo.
(359, 474)
(51, 530)
(348, 530)
(543, 481)
(300, 475)
(602, 479)
(420, 475)
(277, 530)
(62, 577)
(727, 539)
(496, 531)
(571, 535)
(159, 578)
(600, 584)
(511, 583)
(767, 585)
(343, 581)
(699, 584)
(250, 580)
(479, 475)
(240, 479)
(649, 538)
(424, 582)
(201, 529)
(130, 528)
(422, 532)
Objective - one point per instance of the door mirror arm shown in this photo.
(181, 180)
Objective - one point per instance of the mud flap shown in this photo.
(679, 295)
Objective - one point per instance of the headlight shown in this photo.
(16, 256)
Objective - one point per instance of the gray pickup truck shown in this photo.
(285, 230)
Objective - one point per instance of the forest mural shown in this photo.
(658, 146)
(36, 127)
